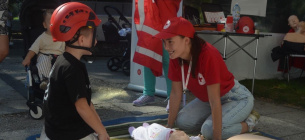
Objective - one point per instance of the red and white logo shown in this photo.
(167, 24)
(201, 79)
(139, 72)
(246, 29)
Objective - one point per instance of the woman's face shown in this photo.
(177, 46)
(293, 21)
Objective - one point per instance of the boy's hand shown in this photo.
(103, 136)
(26, 62)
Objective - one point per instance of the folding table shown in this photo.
(228, 35)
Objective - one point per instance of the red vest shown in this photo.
(148, 23)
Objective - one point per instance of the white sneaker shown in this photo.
(252, 120)
(167, 107)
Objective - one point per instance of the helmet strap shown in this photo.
(91, 49)
(69, 44)
(80, 47)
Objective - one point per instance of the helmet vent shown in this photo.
(70, 14)
(91, 16)
(64, 29)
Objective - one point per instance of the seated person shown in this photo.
(293, 43)
(298, 36)
(46, 50)
(158, 132)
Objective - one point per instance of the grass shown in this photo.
(279, 91)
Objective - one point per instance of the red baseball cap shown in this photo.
(176, 26)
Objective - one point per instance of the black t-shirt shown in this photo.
(68, 82)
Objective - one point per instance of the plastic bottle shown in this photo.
(236, 14)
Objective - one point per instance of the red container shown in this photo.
(220, 26)
(229, 19)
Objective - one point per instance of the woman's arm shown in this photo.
(214, 99)
(174, 103)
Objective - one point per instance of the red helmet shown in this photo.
(245, 25)
(69, 17)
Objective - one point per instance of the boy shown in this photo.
(46, 49)
(69, 112)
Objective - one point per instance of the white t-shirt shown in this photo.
(45, 44)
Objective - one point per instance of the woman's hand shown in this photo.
(201, 137)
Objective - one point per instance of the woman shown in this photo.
(293, 43)
(298, 36)
(223, 106)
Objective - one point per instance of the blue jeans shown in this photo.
(237, 104)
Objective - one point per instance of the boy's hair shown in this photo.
(46, 12)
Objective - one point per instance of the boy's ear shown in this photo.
(80, 39)
(44, 25)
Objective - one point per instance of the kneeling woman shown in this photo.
(223, 106)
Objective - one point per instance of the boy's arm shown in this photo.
(27, 59)
(93, 109)
(90, 117)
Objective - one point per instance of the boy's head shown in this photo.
(73, 22)
(47, 13)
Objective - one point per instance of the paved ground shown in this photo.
(113, 100)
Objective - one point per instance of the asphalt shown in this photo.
(113, 100)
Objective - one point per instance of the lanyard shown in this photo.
(185, 83)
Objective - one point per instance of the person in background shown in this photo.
(4, 40)
(69, 112)
(293, 22)
(293, 43)
(298, 62)
(154, 17)
(222, 107)
(298, 36)
(46, 49)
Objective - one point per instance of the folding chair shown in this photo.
(286, 62)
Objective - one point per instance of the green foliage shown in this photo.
(196, 4)
(14, 7)
(279, 91)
